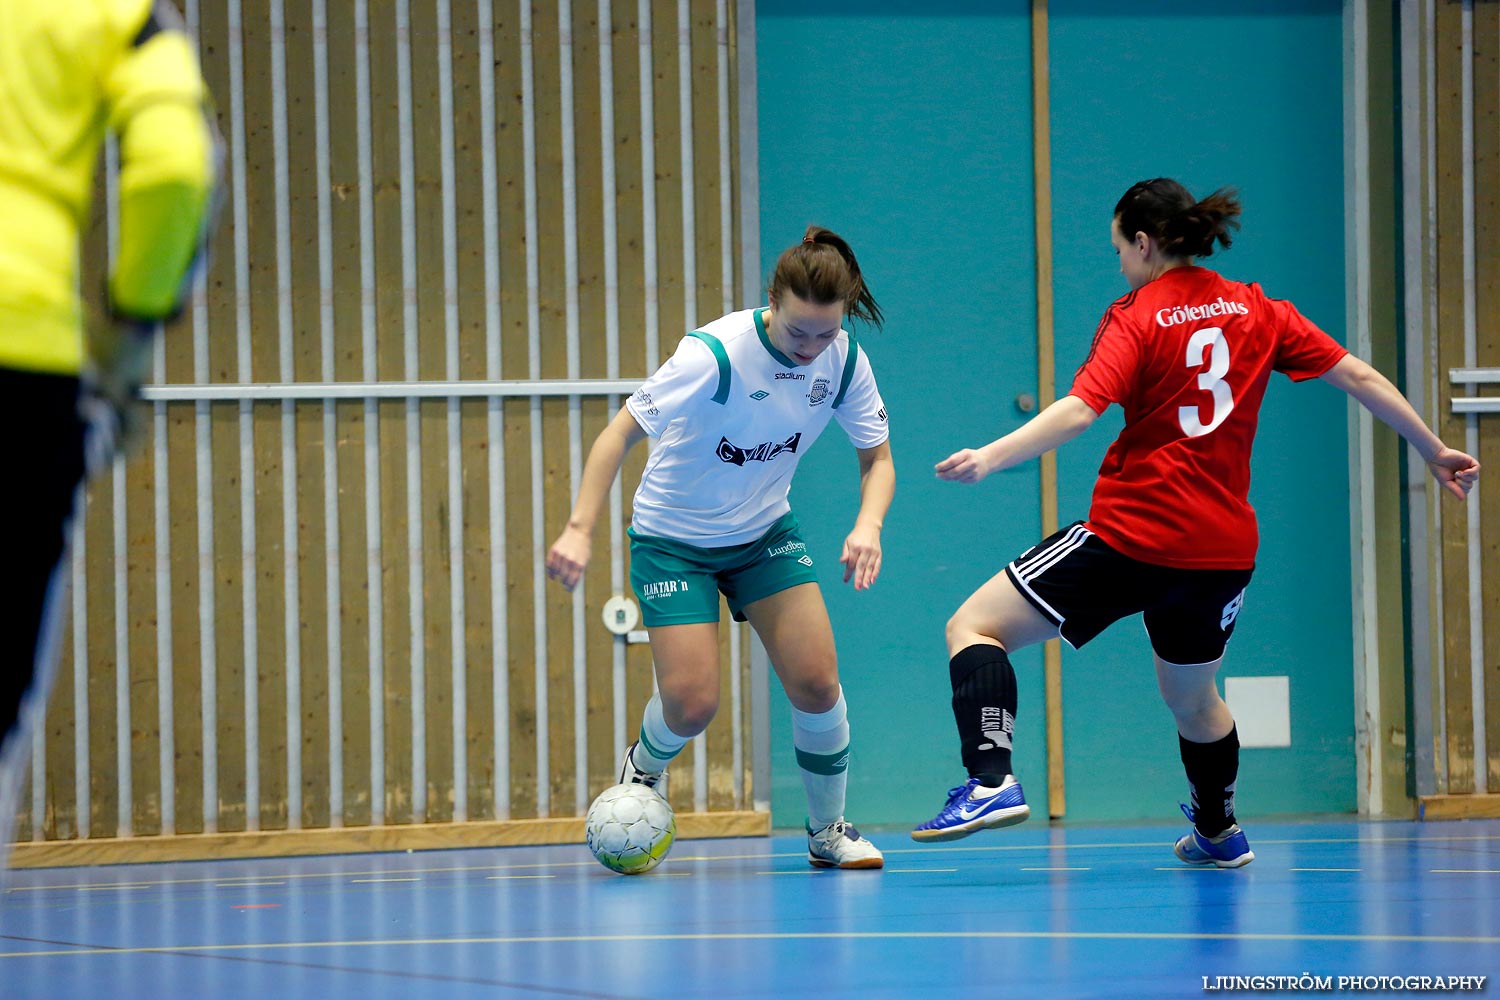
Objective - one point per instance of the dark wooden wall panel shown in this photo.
(1487, 314)
(244, 307)
(1450, 331)
(313, 533)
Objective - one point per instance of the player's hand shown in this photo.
(861, 556)
(967, 466)
(568, 556)
(111, 400)
(1455, 471)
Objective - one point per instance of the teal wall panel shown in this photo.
(1247, 95)
(910, 135)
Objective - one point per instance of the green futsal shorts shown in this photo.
(678, 583)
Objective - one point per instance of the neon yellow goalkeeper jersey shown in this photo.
(69, 70)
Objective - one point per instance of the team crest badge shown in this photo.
(818, 392)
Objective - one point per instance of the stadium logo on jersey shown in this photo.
(880, 414)
(759, 394)
(643, 400)
(796, 376)
(735, 455)
(818, 392)
(1172, 315)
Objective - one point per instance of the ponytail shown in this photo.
(1165, 211)
(823, 269)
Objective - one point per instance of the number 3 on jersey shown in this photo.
(1209, 381)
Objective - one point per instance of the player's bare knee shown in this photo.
(1190, 707)
(692, 714)
(960, 631)
(813, 694)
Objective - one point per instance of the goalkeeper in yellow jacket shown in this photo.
(69, 71)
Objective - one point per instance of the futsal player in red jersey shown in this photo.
(1171, 534)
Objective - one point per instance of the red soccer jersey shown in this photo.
(1188, 357)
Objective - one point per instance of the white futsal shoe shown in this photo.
(839, 845)
(632, 775)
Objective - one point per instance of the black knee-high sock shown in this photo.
(984, 706)
(1212, 769)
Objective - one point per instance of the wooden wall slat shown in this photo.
(1450, 295)
(140, 605)
(509, 90)
(182, 512)
(670, 255)
(389, 302)
(474, 443)
(229, 621)
(347, 292)
(551, 291)
(709, 243)
(1487, 312)
(736, 201)
(313, 531)
(270, 600)
(629, 203)
(592, 294)
(736, 207)
(265, 333)
(183, 564)
(708, 263)
(60, 819)
(432, 350)
(103, 786)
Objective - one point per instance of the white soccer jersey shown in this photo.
(730, 417)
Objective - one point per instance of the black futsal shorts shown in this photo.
(1083, 586)
(43, 465)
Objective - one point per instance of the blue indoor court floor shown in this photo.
(1029, 912)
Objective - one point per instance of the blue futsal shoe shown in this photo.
(1229, 849)
(972, 806)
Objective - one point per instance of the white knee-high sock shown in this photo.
(822, 742)
(658, 744)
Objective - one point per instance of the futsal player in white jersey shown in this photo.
(732, 412)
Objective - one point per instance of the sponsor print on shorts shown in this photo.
(663, 588)
(790, 548)
(1232, 611)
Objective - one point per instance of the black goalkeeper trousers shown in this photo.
(42, 465)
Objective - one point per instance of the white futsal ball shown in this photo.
(630, 828)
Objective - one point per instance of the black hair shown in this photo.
(1181, 225)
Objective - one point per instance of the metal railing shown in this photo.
(1471, 377)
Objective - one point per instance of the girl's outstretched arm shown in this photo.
(1454, 470)
(1059, 423)
(570, 553)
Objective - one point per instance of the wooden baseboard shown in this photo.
(354, 840)
(1458, 807)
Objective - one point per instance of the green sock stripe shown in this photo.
(655, 751)
(824, 763)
